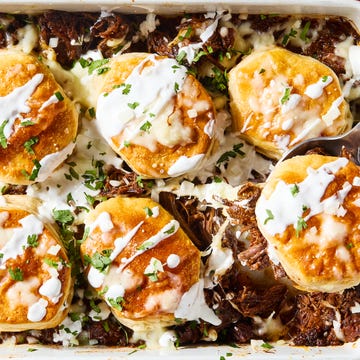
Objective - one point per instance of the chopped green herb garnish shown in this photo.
(217, 179)
(304, 32)
(148, 211)
(170, 231)
(133, 105)
(324, 78)
(51, 262)
(26, 123)
(187, 34)
(63, 216)
(294, 190)
(285, 98)
(102, 261)
(181, 56)
(266, 345)
(96, 65)
(349, 246)
(116, 303)
(92, 112)
(30, 143)
(34, 172)
(146, 126)
(16, 274)
(59, 96)
(270, 216)
(32, 240)
(300, 225)
(126, 89)
(261, 71)
(146, 246)
(3, 140)
(176, 87)
(32, 349)
(236, 150)
(286, 37)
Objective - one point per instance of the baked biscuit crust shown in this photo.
(40, 121)
(309, 213)
(152, 262)
(167, 137)
(279, 98)
(36, 284)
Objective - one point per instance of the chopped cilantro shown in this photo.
(261, 71)
(148, 211)
(101, 261)
(324, 78)
(180, 57)
(92, 112)
(96, 65)
(146, 126)
(270, 216)
(126, 89)
(287, 36)
(32, 240)
(133, 105)
(146, 246)
(304, 31)
(170, 231)
(59, 96)
(16, 274)
(176, 87)
(300, 225)
(51, 262)
(30, 143)
(294, 190)
(231, 154)
(63, 216)
(116, 303)
(3, 140)
(266, 345)
(26, 123)
(285, 98)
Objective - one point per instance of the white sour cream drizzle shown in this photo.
(37, 311)
(150, 99)
(193, 306)
(287, 208)
(314, 91)
(168, 230)
(30, 225)
(184, 164)
(14, 104)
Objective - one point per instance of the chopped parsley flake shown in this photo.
(294, 190)
(266, 345)
(304, 32)
(63, 216)
(300, 225)
(59, 96)
(3, 140)
(30, 143)
(32, 240)
(146, 126)
(34, 172)
(116, 303)
(261, 71)
(133, 105)
(51, 262)
(148, 211)
(26, 123)
(286, 37)
(126, 89)
(170, 231)
(270, 216)
(99, 261)
(176, 87)
(16, 274)
(236, 150)
(285, 98)
(324, 78)
(92, 112)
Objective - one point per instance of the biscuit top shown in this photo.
(39, 122)
(150, 105)
(279, 98)
(36, 282)
(139, 258)
(309, 213)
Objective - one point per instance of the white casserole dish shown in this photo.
(347, 8)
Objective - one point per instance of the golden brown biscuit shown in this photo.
(279, 98)
(141, 262)
(309, 212)
(39, 122)
(36, 285)
(155, 115)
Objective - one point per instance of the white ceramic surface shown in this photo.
(347, 8)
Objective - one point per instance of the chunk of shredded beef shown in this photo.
(76, 33)
(243, 212)
(198, 225)
(10, 24)
(313, 324)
